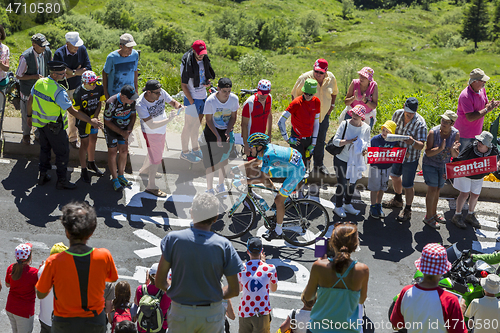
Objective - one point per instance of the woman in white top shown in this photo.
(347, 161)
(4, 60)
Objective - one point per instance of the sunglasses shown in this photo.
(318, 72)
(344, 222)
(308, 95)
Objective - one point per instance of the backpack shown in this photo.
(121, 314)
(150, 316)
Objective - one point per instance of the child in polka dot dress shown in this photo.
(256, 280)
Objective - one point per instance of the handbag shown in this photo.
(331, 147)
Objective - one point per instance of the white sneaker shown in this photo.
(339, 211)
(350, 209)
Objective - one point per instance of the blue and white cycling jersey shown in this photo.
(283, 162)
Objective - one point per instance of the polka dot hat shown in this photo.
(23, 251)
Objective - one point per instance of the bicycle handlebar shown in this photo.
(248, 91)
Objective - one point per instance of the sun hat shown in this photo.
(477, 74)
(254, 244)
(449, 115)
(264, 87)
(411, 105)
(491, 284)
(359, 110)
(153, 269)
(74, 39)
(367, 72)
(89, 77)
(127, 40)
(23, 251)
(485, 138)
(433, 260)
(321, 65)
(310, 86)
(58, 248)
(199, 47)
(390, 125)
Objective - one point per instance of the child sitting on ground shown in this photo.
(378, 174)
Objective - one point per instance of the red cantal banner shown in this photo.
(475, 166)
(385, 155)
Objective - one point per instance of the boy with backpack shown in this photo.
(153, 305)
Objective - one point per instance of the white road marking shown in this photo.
(134, 196)
(139, 274)
(150, 238)
(36, 245)
(278, 242)
(485, 247)
(301, 275)
(280, 313)
(161, 220)
(283, 295)
(4, 161)
(487, 234)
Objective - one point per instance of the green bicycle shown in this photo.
(305, 220)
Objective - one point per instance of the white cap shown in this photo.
(153, 269)
(74, 38)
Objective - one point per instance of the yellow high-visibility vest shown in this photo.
(45, 108)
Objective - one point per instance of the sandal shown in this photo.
(440, 218)
(156, 192)
(431, 222)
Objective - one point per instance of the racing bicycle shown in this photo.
(305, 220)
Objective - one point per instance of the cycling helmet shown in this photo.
(89, 77)
(258, 139)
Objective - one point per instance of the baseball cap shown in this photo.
(224, 82)
(89, 77)
(23, 251)
(449, 115)
(153, 269)
(264, 87)
(127, 40)
(254, 244)
(74, 39)
(310, 86)
(152, 85)
(411, 105)
(40, 39)
(200, 47)
(129, 92)
(477, 74)
(433, 260)
(321, 65)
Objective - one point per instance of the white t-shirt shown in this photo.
(221, 112)
(199, 92)
(4, 55)
(255, 279)
(46, 304)
(302, 317)
(156, 110)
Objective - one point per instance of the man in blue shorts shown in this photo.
(277, 161)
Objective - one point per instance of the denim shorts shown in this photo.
(433, 176)
(406, 169)
(200, 107)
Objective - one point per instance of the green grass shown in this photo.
(391, 41)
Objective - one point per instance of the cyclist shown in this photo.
(277, 161)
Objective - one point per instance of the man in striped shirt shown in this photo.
(409, 123)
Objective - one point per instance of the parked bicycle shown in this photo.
(305, 220)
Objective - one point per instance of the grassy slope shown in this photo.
(385, 40)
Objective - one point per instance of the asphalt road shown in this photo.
(132, 223)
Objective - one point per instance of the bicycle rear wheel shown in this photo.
(236, 214)
(304, 222)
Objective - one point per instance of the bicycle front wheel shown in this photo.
(236, 214)
(305, 220)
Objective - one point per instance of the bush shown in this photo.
(310, 24)
(442, 36)
(118, 14)
(94, 35)
(415, 74)
(255, 66)
(237, 27)
(54, 34)
(168, 37)
(275, 34)
(347, 9)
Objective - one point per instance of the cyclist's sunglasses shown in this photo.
(308, 95)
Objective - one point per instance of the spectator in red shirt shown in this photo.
(21, 279)
(304, 111)
(425, 307)
(257, 116)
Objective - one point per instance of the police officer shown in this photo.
(47, 106)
